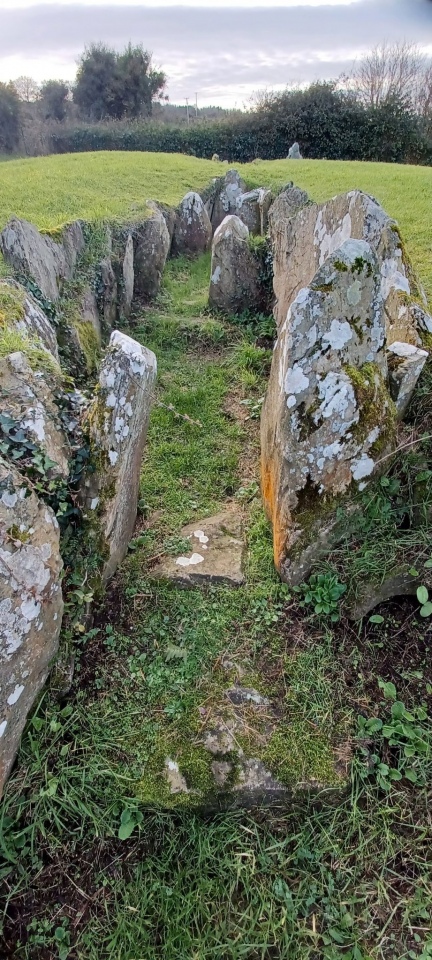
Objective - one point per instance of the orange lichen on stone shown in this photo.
(273, 511)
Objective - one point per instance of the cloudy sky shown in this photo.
(221, 50)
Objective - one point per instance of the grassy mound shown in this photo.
(51, 191)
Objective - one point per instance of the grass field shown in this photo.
(51, 191)
(350, 880)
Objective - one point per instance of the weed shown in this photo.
(323, 591)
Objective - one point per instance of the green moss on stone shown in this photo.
(89, 343)
(12, 302)
(297, 754)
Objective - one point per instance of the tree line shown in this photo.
(382, 111)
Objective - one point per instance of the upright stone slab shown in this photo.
(117, 422)
(302, 243)
(328, 417)
(221, 198)
(31, 606)
(193, 230)
(294, 152)
(29, 252)
(27, 399)
(151, 248)
(253, 208)
(234, 282)
(21, 312)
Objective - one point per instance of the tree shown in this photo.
(53, 98)
(9, 117)
(27, 89)
(390, 72)
(113, 85)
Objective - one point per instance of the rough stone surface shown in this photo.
(294, 152)
(287, 203)
(73, 242)
(215, 554)
(193, 230)
(107, 295)
(400, 583)
(118, 420)
(37, 256)
(27, 398)
(328, 415)
(302, 243)
(406, 363)
(238, 721)
(26, 316)
(234, 282)
(223, 197)
(151, 248)
(253, 208)
(127, 277)
(31, 606)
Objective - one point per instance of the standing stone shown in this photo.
(294, 152)
(234, 283)
(34, 255)
(151, 248)
(302, 243)
(221, 198)
(193, 230)
(31, 606)
(253, 208)
(328, 417)
(287, 203)
(127, 277)
(107, 295)
(406, 363)
(27, 398)
(73, 242)
(21, 312)
(117, 422)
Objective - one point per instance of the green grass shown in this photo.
(51, 191)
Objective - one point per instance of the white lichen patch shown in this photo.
(189, 561)
(362, 468)
(15, 695)
(339, 334)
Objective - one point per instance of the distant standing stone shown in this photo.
(294, 152)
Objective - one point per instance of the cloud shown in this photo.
(223, 53)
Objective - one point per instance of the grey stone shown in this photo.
(29, 252)
(107, 295)
(302, 243)
(234, 282)
(151, 248)
(128, 276)
(294, 152)
(73, 242)
(193, 230)
(286, 205)
(253, 208)
(222, 197)
(118, 420)
(31, 606)
(215, 554)
(27, 397)
(22, 313)
(329, 371)
(400, 583)
(406, 363)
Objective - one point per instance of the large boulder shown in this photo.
(31, 605)
(328, 417)
(151, 248)
(221, 197)
(37, 256)
(117, 422)
(20, 311)
(28, 409)
(234, 282)
(287, 203)
(253, 208)
(193, 230)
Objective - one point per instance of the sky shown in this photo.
(221, 51)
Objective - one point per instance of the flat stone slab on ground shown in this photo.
(215, 554)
